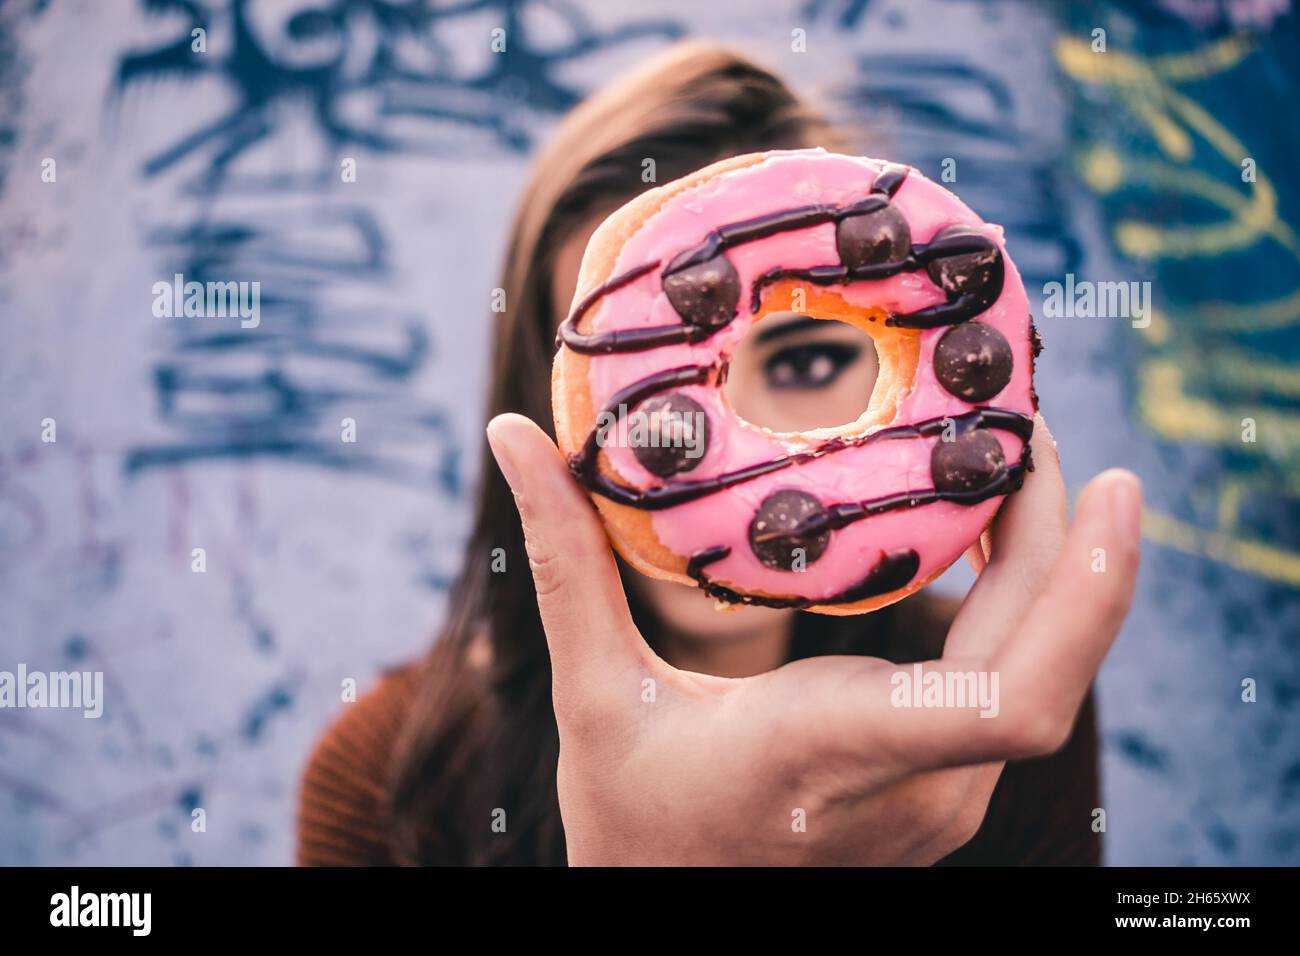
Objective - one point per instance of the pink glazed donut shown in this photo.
(835, 520)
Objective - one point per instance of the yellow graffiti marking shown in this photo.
(1230, 505)
(1192, 350)
(1165, 403)
(1251, 556)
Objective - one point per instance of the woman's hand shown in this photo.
(813, 763)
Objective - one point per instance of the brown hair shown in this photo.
(481, 733)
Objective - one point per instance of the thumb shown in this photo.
(589, 628)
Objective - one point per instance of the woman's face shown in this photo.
(791, 373)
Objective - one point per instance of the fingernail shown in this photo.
(500, 446)
(1126, 503)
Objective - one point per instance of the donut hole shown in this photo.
(823, 370)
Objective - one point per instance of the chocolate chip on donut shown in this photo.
(705, 294)
(788, 520)
(970, 462)
(669, 434)
(873, 238)
(964, 272)
(973, 361)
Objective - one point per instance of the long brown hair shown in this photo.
(480, 734)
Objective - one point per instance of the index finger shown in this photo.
(1027, 536)
(1021, 699)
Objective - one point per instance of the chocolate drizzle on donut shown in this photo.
(889, 179)
(893, 571)
(873, 240)
(584, 467)
(622, 340)
(700, 297)
(969, 293)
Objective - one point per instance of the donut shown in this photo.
(839, 520)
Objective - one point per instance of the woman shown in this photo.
(624, 720)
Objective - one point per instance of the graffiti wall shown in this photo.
(231, 515)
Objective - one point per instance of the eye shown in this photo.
(810, 365)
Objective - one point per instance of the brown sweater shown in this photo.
(1040, 812)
